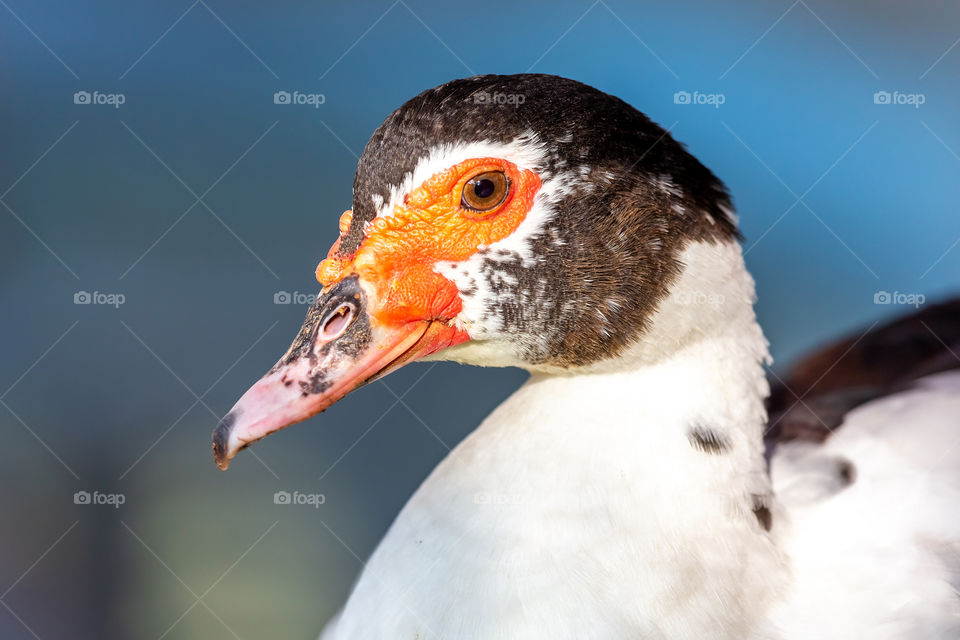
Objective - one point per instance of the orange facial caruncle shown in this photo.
(399, 251)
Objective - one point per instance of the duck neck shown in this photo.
(696, 373)
(687, 400)
(642, 477)
(682, 409)
(666, 442)
(651, 463)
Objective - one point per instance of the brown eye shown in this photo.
(485, 191)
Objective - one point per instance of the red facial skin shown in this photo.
(398, 253)
(410, 307)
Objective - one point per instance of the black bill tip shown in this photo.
(221, 439)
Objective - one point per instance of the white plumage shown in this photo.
(579, 508)
(881, 557)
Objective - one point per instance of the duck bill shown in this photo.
(339, 348)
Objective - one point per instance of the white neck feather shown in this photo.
(592, 478)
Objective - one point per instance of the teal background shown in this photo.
(95, 198)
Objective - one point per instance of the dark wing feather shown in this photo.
(834, 380)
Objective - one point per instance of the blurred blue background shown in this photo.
(198, 199)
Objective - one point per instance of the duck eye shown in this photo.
(485, 191)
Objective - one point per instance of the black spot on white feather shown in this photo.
(708, 440)
(762, 513)
(846, 471)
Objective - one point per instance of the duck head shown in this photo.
(524, 220)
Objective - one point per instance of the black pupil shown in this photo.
(484, 188)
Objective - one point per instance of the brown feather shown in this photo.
(841, 376)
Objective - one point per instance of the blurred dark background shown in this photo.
(198, 199)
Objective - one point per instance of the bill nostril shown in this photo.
(338, 321)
